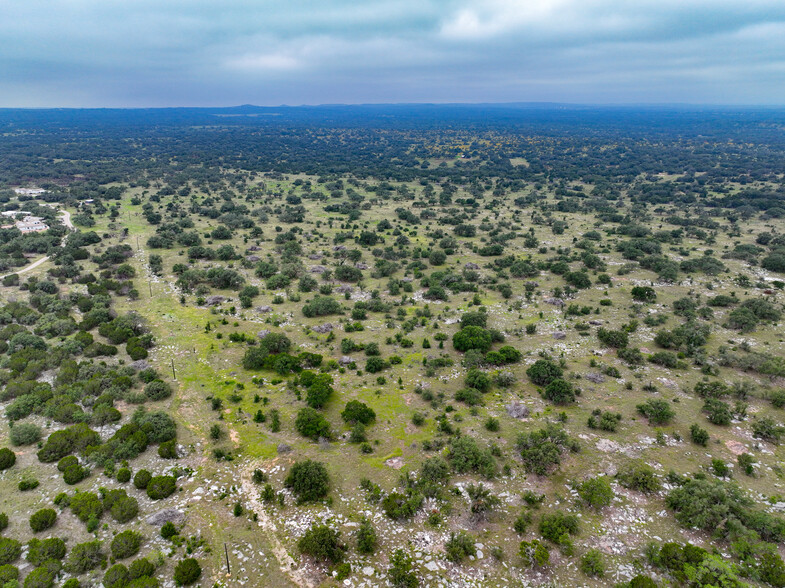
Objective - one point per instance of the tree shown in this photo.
(400, 573)
(84, 557)
(560, 391)
(639, 476)
(459, 546)
(534, 553)
(659, 412)
(311, 424)
(126, 544)
(187, 572)
(10, 550)
(7, 458)
(366, 538)
(308, 480)
(42, 519)
(472, 337)
(25, 434)
(596, 492)
(161, 487)
(543, 371)
(592, 564)
(358, 412)
(322, 543)
(643, 294)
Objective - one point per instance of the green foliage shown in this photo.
(640, 476)
(311, 424)
(126, 544)
(366, 538)
(592, 564)
(596, 492)
(85, 557)
(187, 572)
(610, 338)
(698, 435)
(358, 412)
(308, 480)
(10, 550)
(722, 508)
(557, 527)
(7, 458)
(534, 553)
(472, 337)
(543, 371)
(25, 434)
(322, 543)
(400, 573)
(459, 546)
(659, 412)
(161, 487)
(40, 551)
(560, 392)
(541, 450)
(466, 456)
(42, 519)
(86, 506)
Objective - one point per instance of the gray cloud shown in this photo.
(200, 52)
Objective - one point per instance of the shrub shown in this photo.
(142, 479)
(699, 435)
(639, 476)
(84, 557)
(466, 456)
(400, 573)
(366, 537)
(472, 337)
(86, 506)
(116, 577)
(596, 492)
(543, 371)
(643, 294)
(592, 564)
(10, 550)
(158, 390)
(478, 380)
(308, 480)
(459, 546)
(126, 544)
(534, 553)
(767, 429)
(616, 339)
(140, 568)
(717, 411)
(470, 396)
(75, 473)
(322, 543)
(557, 527)
(8, 573)
(123, 475)
(25, 434)
(168, 530)
(7, 458)
(541, 450)
(375, 365)
(311, 424)
(187, 572)
(161, 487)
(358, 412)
(3, 521)
(659, 412)
(560, 391)
(42, 519)
(40, 551)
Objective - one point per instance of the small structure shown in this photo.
(29, 191)
(32, 224)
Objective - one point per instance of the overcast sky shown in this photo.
(231, 52)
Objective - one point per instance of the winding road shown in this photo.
(66, 218)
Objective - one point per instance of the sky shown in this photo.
(150, 53)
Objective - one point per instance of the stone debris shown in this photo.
(595, 377)
(214, 300)
(325, 328)
(165, 516)
(559, 335)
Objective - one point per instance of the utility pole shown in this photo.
(226, 551)
(149, 283)
(174, 375)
